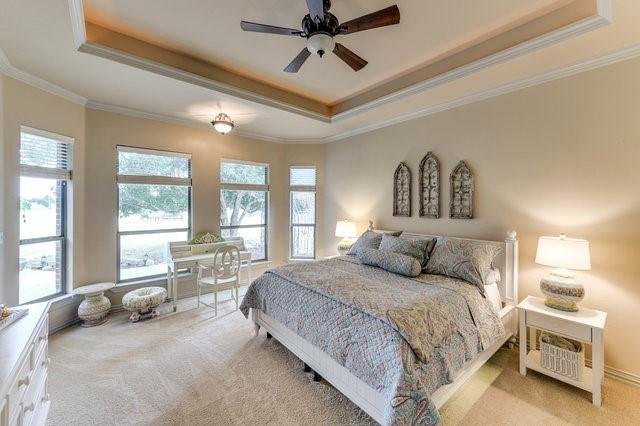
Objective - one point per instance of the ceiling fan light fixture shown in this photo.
(320, 43)
(222, 123)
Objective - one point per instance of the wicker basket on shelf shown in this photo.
(562, 361)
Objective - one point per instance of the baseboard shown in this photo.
(611, 372)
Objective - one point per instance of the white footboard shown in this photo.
(360, 393)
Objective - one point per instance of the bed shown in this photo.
(397, 347)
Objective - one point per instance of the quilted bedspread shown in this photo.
(404, 337)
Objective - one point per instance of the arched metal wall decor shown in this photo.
(429, 182)
(461, 205)
(402, 191)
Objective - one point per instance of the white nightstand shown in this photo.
(586, 325)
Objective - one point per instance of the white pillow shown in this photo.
(492, 294)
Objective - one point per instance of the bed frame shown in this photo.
(360, 393)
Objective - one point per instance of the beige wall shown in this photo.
(106, 130)
(96, 134)
(561, 157)
(27, 106)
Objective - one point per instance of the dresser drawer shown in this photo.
(42, 337)
(20, 385)
(556, 325)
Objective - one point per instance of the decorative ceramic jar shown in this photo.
(93, 310)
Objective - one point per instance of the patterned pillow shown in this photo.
(464, 259)
(418, 249)
(390, 261)
(368, 239)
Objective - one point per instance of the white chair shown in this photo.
(225, 275)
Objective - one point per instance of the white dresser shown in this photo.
(23, 368)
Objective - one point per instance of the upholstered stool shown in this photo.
(144, 301)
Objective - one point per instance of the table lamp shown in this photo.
(346, 230)
(560, 287)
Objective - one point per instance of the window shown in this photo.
(244, 200)
(302, 183)
(45, 168)
(154, 208)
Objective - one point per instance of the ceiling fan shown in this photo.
(320, 27)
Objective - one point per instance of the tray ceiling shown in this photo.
(41, 44)
(210, 30)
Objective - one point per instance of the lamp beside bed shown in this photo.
(565, 254)
(346, 230)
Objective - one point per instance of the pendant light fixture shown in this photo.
(222, 123)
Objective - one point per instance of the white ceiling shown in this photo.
(36, 37)
(210, 29)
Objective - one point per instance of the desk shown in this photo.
(174, 264)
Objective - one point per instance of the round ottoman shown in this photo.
(144, 301)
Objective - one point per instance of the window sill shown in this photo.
(122, 287)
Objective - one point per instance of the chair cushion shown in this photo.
(144, 298)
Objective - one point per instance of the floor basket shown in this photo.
(562, 361)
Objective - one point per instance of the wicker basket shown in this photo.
(562, 361)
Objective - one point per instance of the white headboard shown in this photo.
(507, 262)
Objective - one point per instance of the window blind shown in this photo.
(44, 156)
(244, 176)
(152, 167)
(302, 178)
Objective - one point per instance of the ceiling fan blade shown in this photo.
(353, 60)
(381, 18)
(316, 9)
(297, 62)
(269, 29)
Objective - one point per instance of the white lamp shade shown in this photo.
(563, 252)
(346, 229)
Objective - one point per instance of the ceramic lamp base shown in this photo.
(344, 246)
(562, 291)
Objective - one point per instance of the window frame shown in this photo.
(46, 173)
(303, 188)
(224, 186)
(150, 180)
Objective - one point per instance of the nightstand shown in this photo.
(586, 325)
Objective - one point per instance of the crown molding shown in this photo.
(562, 34)
(620, 55)
(195, 79)
(342, 110)
(10, 71)
(76, 12)
(174, 120)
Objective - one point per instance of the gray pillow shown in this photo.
(418, 249)
(468, 260)
(369, 239)
(390, 261)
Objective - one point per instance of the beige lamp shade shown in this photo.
(346, 229)
(563, 252)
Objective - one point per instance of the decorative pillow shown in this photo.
(418, 249)
(206, 238)
(468, 260)
(492, 294)
(368, 239)
(493, 276)
(390, 261)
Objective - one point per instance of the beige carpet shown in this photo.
(192, 369)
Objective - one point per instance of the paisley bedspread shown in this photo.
(404, 337)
